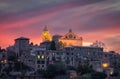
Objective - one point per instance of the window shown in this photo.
(67, 53)
(43, 57)
(38, 66)
(42, 65)
(43, 62)
(42, 52)
(67, 58)
(72, 59)
(66, 37)
(29, 60)
(74, 37)
(38, 56)
(71, 53)
(38, 52)
(38, 62)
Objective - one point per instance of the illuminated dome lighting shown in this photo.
(46, 35)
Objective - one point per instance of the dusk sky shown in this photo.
(91, 19)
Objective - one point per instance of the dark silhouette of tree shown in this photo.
(54, 70)
(84, 69)
(98, 75)
(71, 68)
(50, 72)
(53, 45)
(60, 45)
(19, 66)
(12, 58)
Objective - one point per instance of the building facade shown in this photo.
(21, 45)
(71, 39)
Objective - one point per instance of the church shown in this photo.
(69, 39)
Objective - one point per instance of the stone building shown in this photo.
(37, 58)
(21, 45)
(71, 39)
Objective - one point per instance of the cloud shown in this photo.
(89, 18)
(104, 21)
(113, 42)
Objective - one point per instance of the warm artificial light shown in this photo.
(43, 56)
(38, 56)
(105, 65)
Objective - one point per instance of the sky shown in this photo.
(91, 19)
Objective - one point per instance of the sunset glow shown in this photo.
(91, 19)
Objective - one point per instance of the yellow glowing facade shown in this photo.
(71, 39)
(46, 35)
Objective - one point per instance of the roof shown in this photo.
(22, 38)
(71, 35)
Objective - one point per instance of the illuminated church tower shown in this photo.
(46, 35)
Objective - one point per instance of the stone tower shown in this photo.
(46, 35)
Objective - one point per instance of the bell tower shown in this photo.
(46, 35)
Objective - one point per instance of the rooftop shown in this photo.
(22, 38)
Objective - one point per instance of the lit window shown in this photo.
(38, 56)
(2, 61)
(111, 72)
(5, 61)
(105, 65)
(43, 56)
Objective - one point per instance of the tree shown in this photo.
(86, 76)
(60, 45)
(53, 46)
(98, 75)
(50, 72)
(12, 58)
(71, 68)
(54, 70)
(40, 72)
(84, 69)
(19, 66)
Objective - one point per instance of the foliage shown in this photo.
(116, 72)
(54, 70)
(84, 69)
(83, 77)
(3, 76)
(53, 46)
(60, 45)
(71, 68)
(12, 58)
(98, 75)
(18, 66)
